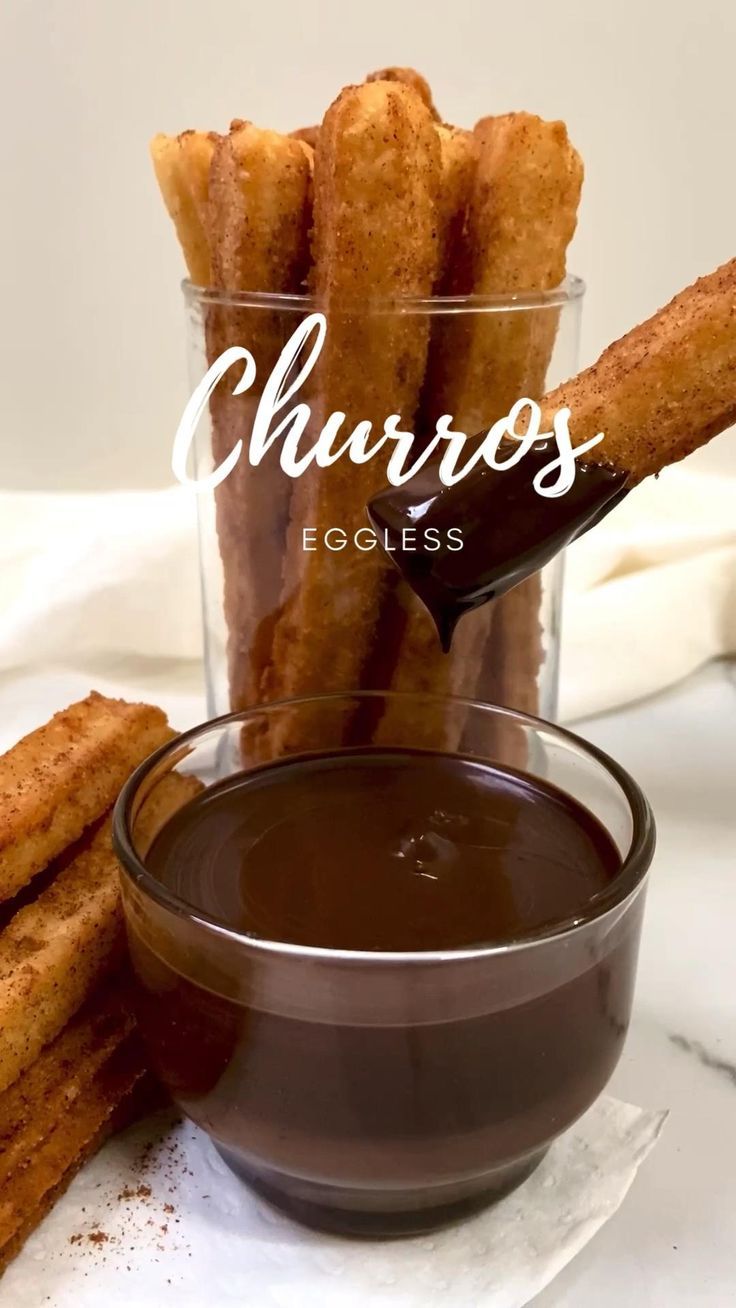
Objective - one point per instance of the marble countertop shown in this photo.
(673, 1242)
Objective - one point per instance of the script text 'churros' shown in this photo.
(275, 421)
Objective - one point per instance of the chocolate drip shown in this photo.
(509, 530)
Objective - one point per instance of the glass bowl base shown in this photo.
(380, 1214)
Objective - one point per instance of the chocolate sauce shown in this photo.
(369, 1094)
(508, 529)
(385, 850)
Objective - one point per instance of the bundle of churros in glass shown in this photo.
(435, 254)
(72, 1067)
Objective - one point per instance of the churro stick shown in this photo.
(665, 388)
(512, 653)
(409, 77)
(31, 1106)
(75, 1136)
(181, 164)
(659, 393)
(119, 1110)
(63, 776)
(521, 216)
(405, 625)
(377, 171)
(258, 220)
(260, 209)
(54, 951)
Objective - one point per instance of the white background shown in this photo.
(91, 326)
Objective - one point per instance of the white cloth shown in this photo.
(650, 594)
(89, 576)
(197, 1236)
(104, 581)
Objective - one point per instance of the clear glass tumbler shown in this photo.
(296, 598)
(382, 1093)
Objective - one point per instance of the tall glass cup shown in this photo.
(298, 597)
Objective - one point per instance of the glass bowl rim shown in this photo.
(624, 887)
(570, 290)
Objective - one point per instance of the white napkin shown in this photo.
(99, 581)
(173, 1228)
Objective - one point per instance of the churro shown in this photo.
(70, 1058)
(521, 216)
(54, 951)
(409, 77)
(36, 1183)
(657, 394)
(665, 388)
(458, 153)
(377, 172)
(63, 776)
(259, 216)
(142, 1097)
(31, 1106)
(181, 164)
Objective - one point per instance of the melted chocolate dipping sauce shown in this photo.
(509, 530)
(379, 1125)
(385, 850)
